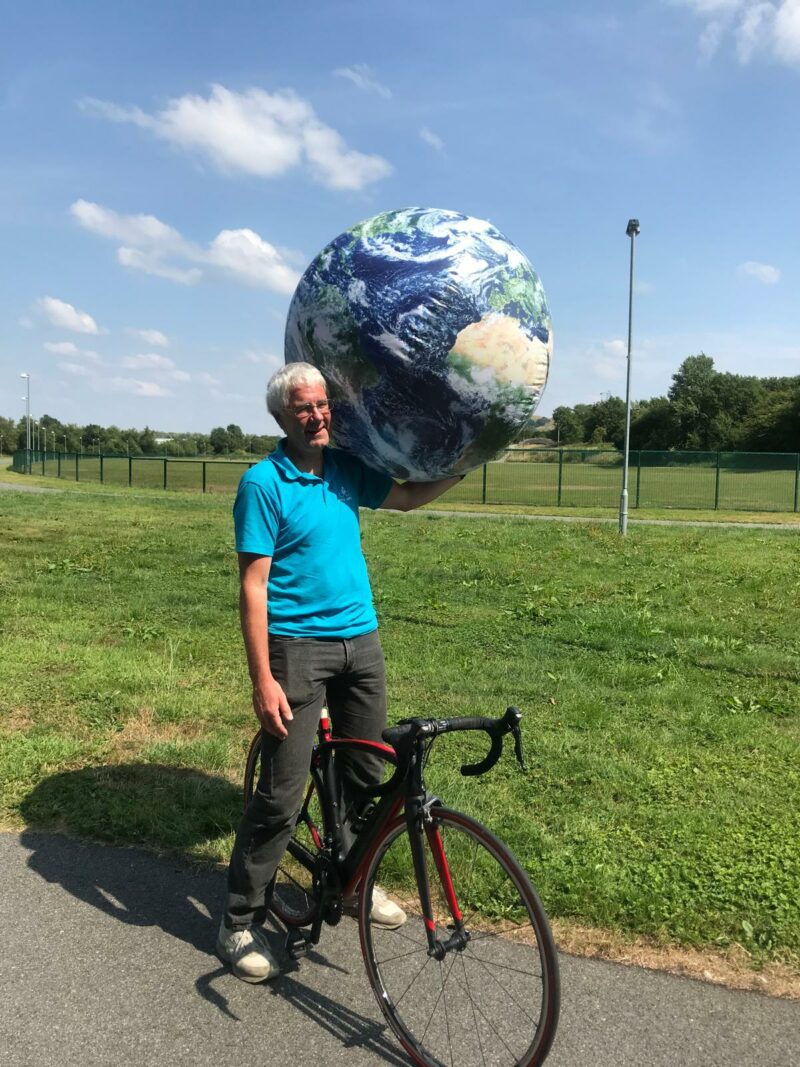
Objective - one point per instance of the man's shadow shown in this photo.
(171, 811)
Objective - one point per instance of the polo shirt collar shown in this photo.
(288, 469)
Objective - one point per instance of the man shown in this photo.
(310, 633)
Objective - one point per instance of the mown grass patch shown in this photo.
(659, 675)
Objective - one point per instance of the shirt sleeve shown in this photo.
(373, 487)
(256, 517)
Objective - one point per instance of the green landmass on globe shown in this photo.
(434, 335)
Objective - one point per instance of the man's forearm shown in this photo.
(253, 618)
(412, 495)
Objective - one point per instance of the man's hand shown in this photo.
(271, 707)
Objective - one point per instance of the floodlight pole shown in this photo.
(631, 231)
(27, 399)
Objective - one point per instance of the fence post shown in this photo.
(796, 481)
(638, 475)
(44, 470)
(102, 479)
(560, 475)
(59, 466)
(716, 486)
(483, 487)
(204, 475)
(165, 472)
(77, 467)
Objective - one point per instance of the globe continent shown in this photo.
(433, 333)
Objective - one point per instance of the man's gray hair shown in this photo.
(286, 379)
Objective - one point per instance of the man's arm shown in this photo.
(412, 495)
(269, 700)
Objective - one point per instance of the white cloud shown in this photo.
(131, 386)
(67, 317)
(153, 263)
(180, 376)
(78, 369)
(151, 360)
(160, 250)
(26, 322)
(363, 77)
(432, 139)
(769, 28)
(255, 132)
(787, 32)
(255, 355)
(208, 380)
(130, 229)
(61, 348)
(608, 359)
(252, 260)
(762, 272)
(152, 337)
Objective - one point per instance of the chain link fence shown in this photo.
(561, 477)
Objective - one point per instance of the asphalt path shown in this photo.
(107, 958)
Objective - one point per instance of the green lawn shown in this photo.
(659, 675)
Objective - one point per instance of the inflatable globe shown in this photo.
(433, 334)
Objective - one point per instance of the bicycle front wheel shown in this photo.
(493, 997)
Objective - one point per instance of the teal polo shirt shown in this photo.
(318, 584)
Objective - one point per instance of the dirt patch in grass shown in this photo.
(142, 729)
(733, 967)
(17, 720)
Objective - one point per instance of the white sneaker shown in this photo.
(247, 952)
(384, 911)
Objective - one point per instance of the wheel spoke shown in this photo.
(503, 993)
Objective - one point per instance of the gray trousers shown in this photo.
(350, 675)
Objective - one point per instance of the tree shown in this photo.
(569, 427)
(653, 424)
(235, 438)
(220, 441)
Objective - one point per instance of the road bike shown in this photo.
(469, 974)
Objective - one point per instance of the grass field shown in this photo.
(660, 679)
(592, 484)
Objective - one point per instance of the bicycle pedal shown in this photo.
(297, 943)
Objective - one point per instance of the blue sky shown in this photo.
(168, 169)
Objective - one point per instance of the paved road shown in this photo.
(106, 959)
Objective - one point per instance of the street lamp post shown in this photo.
(632, 231)
(65, 442)
(27, 399)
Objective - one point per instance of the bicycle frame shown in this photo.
(410, 792)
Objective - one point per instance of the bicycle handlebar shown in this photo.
(403, 736)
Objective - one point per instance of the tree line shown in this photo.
(704, 410)
(91, 438)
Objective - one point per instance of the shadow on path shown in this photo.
(172, 809)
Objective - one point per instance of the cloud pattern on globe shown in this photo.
(433, 333)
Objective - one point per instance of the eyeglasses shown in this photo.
(305, 411)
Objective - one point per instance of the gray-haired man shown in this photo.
(310, 633)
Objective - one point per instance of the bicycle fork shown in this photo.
(421, 827)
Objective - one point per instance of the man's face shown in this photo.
(306, 423)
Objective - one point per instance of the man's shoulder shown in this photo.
(263, 474)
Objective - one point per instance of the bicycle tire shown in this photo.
(495, 1000)
(293, 899)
